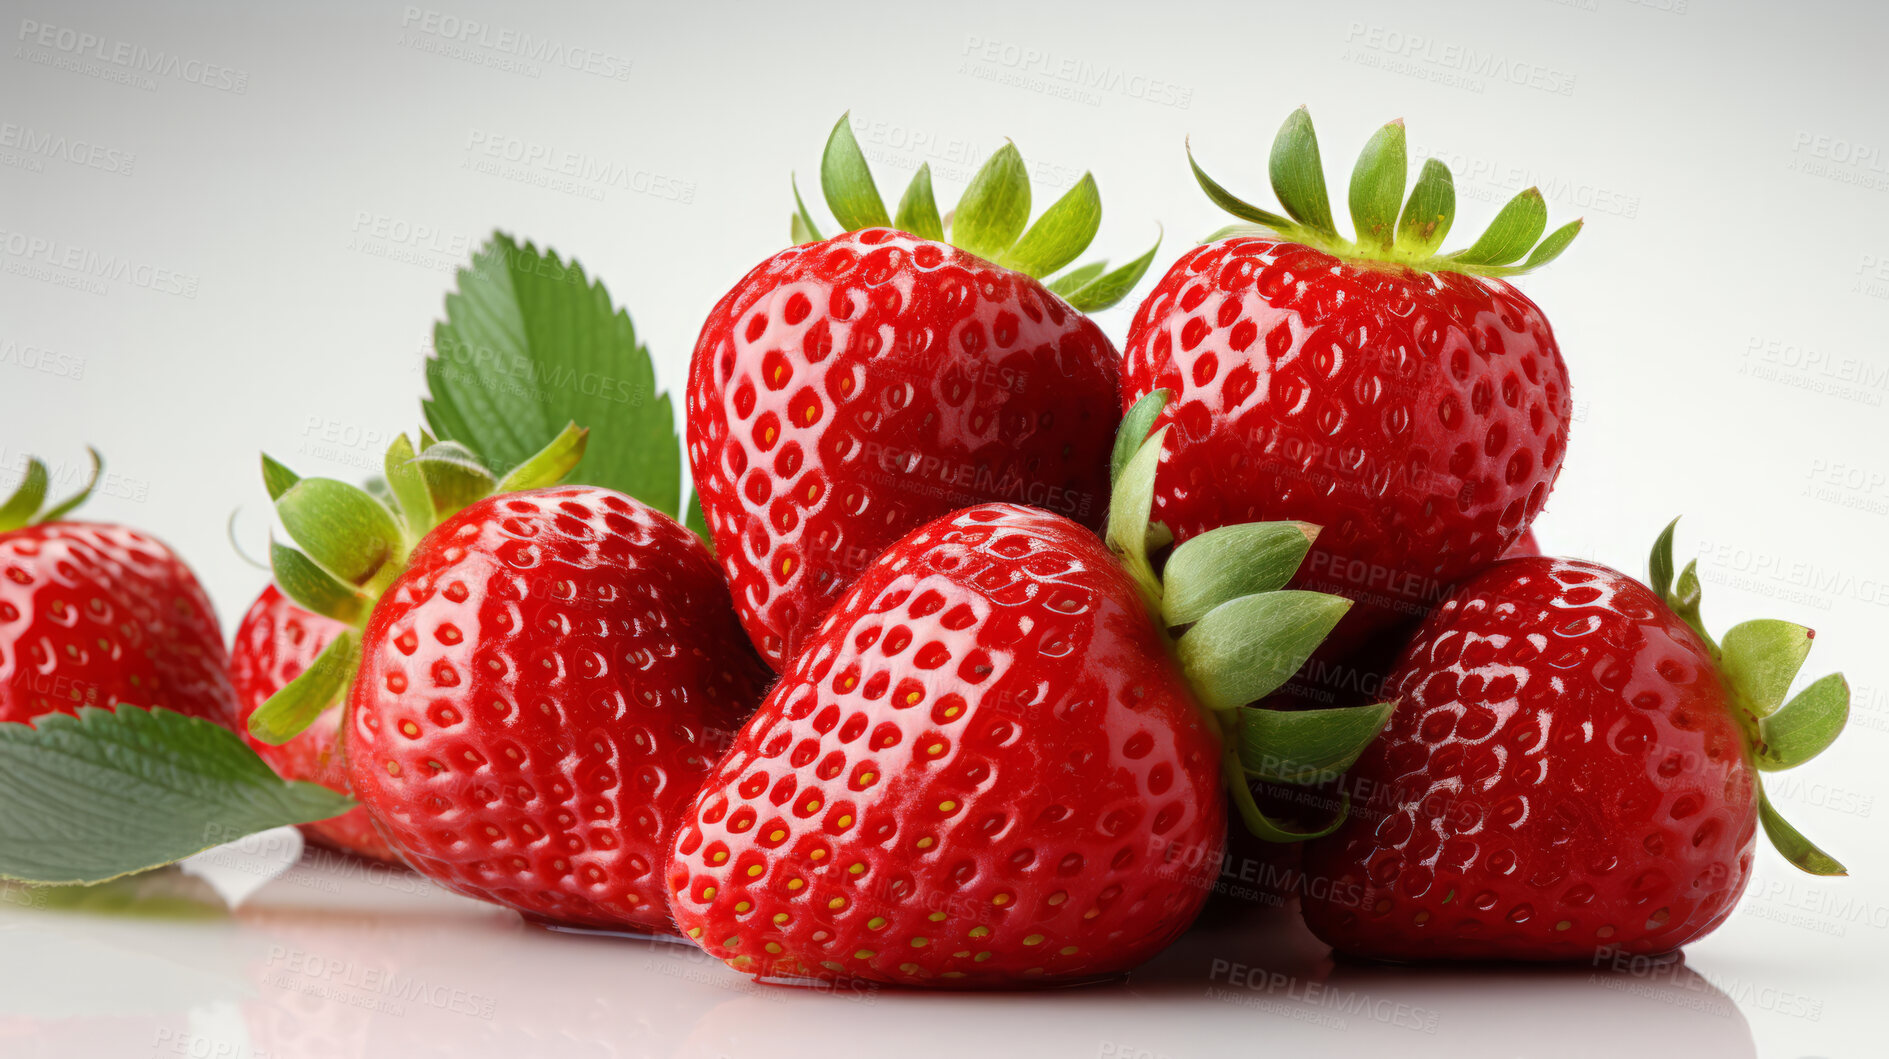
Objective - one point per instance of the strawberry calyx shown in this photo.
(1237, 632)
(989, 221)
(1411, 237)
(26, 505)
(354, 543)
(1758, 661)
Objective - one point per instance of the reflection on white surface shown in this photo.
(333, 961)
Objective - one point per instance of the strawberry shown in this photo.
(851, 389)
(1412, 403)
(536, 681)
(94, 614)
(992, 763)
(1574, 765)
(275, 643)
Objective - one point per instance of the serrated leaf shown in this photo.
(89, 798)
(1232, 203)
(1076, 278)
(1377, 187)
(294, 707)
(530, 344)
(1429, 213)
(313, 589)
(1806, 725)
(847, 181)
(1133, 433)
(1761, 658)
(1509, 236)
(996, 206)
(342, 529)
(1298, 176)
(1245, 649)
(1307, 746)
(26, 500)
(1226, 563)
(1791, 842)
(1107, 289)
(918, 209)
(1064, 231)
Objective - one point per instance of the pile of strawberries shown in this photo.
(1001, 626)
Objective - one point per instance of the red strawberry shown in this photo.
(275, 643)
(987, 766)
(537, 680)
(93, 614)
(849, 390)
(1524, 545)
(1413, 404)
(1573, 766)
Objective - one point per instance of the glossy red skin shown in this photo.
(540, 693)
(276, 641)
(93, 614)
(1072, 796)
(849, 391)
(1419, 418)
(1564, 773)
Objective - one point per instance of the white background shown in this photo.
(1722, 316)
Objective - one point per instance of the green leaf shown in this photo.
(1298, 176)
(1377, 187)
(1807, 724)
(1133, 433)
(290, 711)
(803, 228)
(313, 589)
(1685, 601)
(1076, 278)
(1063, 231)
(406, 484)
(66, 506)
(454, 478)
(1307, 746)
(1789, 841)
(918, 210)
(276, 478)
(1245, 649)
(1256, 820)
(26, 500)
(847, 181)
(1659, 565)
(89, 798)
(1229, 562)
(345, 531)
(530, 344)
(1509, 236)
(1130, 502)
(1760, 659)
(1551, 247)
(1106, 290)
(550, 464)
(1231, 203)
(1429, 213)
(996, 206)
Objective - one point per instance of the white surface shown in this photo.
(1723, 318)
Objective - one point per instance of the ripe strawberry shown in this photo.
(1411, 403)
(987, 765)
(541, 679)
(275, 643)
(93, 614)
(1574, 765)
(849, 390)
